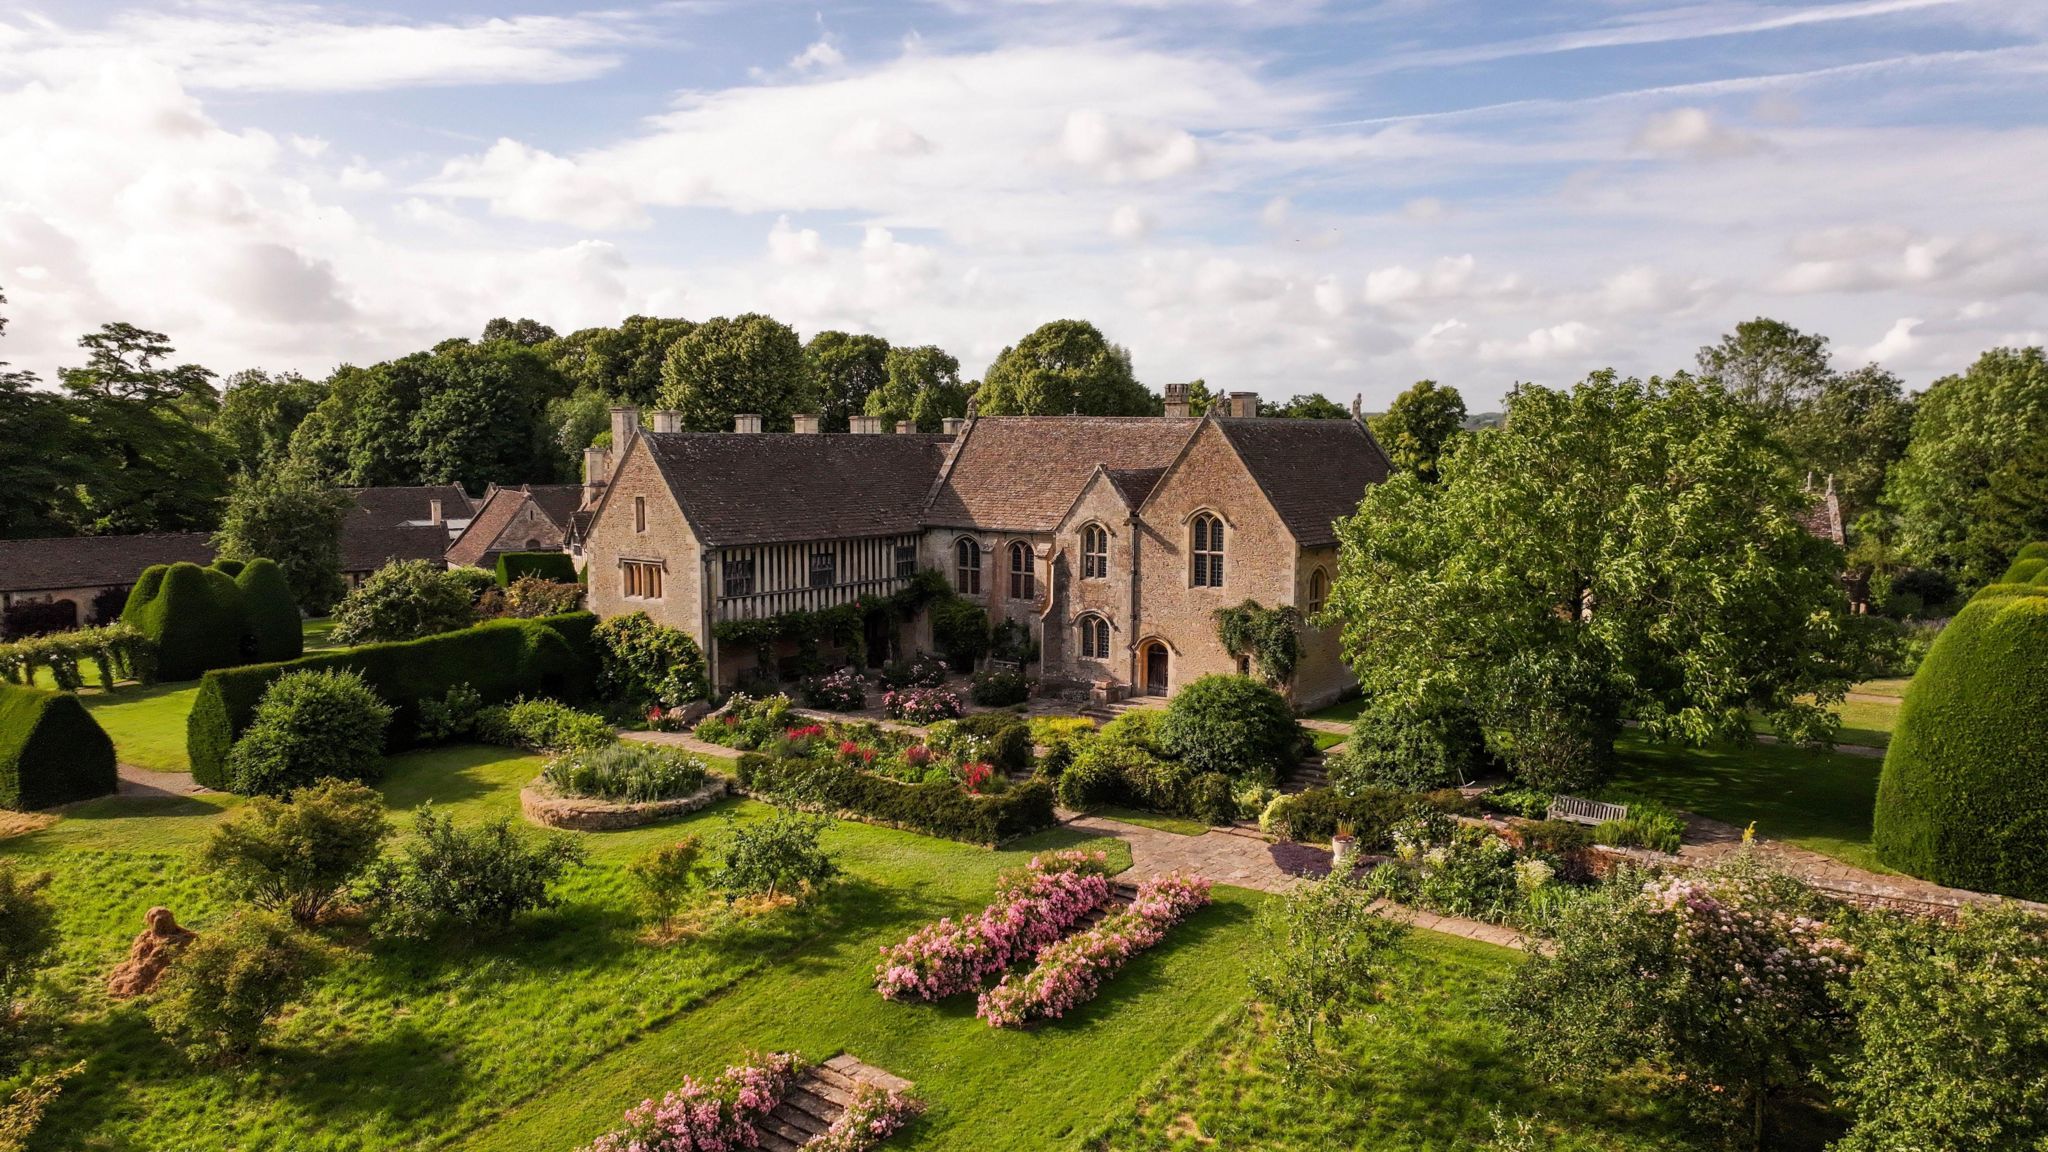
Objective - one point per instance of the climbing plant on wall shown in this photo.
(1270, 636)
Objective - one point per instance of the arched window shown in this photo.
(1094, 552)
(1094, 638)
(1318, 590)
(967, 567)
(1023, 572)
(1208, 551)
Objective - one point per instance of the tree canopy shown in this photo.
(520, 331)
(285, 514)
(1965, 429)
(622, 364)
(733, 364)
(847, 367)
(923, 386)
(1417, 426)
(1314, 406)
(1064, 367)
(259, 413)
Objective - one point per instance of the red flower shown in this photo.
(976, 774)
(848, 748)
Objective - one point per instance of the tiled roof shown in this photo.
(769, 486)
(399, 505)
(1022, 473)
(490, 519)
(367, 544)
(1313, 471)
(94, 561)
(559, 501)
(1134, 484)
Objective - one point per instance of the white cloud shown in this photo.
(787, 245)
(529, 184)
(1129, 222)
(1693, 132)
(820, 54)
(1117, 150)
(1895, 343)
(1557, 340)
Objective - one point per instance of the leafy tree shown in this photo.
(665, 876)
(122, 364)
(923, 386)
(1952, 1023)
(1965, 428)
(1769, 364)
(473, 880)
(621, 364)
(779, 854)
(1418, 425)
(729, 365)
(2009, 513)
(298, 856)
(260, 412)
(1852, 427)
(1326, 952)
(1314, 406)
(1623, 547)
(576, 422)
(483, 416)
(41, 485)
(1063, 367)
(404, 600)
(1199, 397)
(360, 435)
(223, 990)
(1233, 725)
(521, 331)
(287, 515)
(310, 726)
(847, 368)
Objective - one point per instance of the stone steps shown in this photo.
(1310, 773)
(819, 1097)
(1120, 896)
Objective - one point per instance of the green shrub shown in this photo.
(1314, 815)
(1095, 776)
(28, 931)
(475, 581)
(470, 880)
(500, 659)
(451, 717)
(960, 631)
(530, 598)
(1000, 689)
(626, 771)
(1648, 825)
(1062, 737)
(2038, 550)
(746, 723)
(272, 614)
(542, 725)
(310, 726)
(194, 616)
(643, 664)
(225, 987)
(298, 856)
(1233, 725)
(1005, 739)
(1393, 745)
(939, 807)
(51, 750)
(665, 877)
(1528, 803)
(780, 854)
(1963, 795)
(229, 567)
(403, 600)
(1209, 799)
(556, 567)
(2024, 571)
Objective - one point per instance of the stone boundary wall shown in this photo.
(541, 804)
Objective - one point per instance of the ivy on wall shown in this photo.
(844, 626)
(1270, 636)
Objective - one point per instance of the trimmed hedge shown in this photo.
(554, 566)
(1312, 816)
(1963, 797)
(500, 659)
(2024, 571)
(2038, 550)
(272, 613)
(939, 808)
(51, 750)
(195, 615)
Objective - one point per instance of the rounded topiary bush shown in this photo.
(51, 750)
(1963, 799)
(1412, 747)
(194, 615)
(2038, 550)
(1233, 725)
(2023, 571)
(272, 613)
(310, 726)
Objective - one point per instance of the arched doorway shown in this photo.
(1154, 662)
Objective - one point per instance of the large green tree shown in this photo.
(150, 463)
(286, 514)
(1622, 550)
(1770, 364)
(260, 412)
(1419, 423)
(923, 386)
(847, 367)
(41, 483)
(1313, 406)
(737, 364)
(1064, 367)
(520, 331)
(2010, 513)
(624, 363)
(1965, 429)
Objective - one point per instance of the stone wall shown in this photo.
(1108, 596)
(668, 539)
(1321, 678)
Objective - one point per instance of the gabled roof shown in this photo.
(1134, 484)
(753, 488)
(368, 544)
(559, 501)
(48, 564)
(1312, 471)
(400, 505)
(1022, 473)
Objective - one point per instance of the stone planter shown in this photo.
(544, 806)
(1343, 852)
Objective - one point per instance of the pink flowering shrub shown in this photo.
(872, 1116)
(922, 705)
(715, 1117)
(1034, 906)
(1071, 971)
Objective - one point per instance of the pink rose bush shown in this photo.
(873, 1115)
(922, 705)
(1034, 906)
(716, 1117)
(1071, 971)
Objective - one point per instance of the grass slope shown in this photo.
(147, 724)
(1818, 800)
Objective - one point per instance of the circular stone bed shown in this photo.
(543, 805)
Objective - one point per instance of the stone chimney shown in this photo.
(906, 427)
(808, 423)
(434, 516)
(1177, 400)
(625, 426)
(597, 472)
(667, 421)
(866, 425)
(747, 422)
(952, 425)
(1244, 404)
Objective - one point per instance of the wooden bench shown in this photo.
(1585, 811)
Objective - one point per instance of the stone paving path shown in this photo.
(136, 781)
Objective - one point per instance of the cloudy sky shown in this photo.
(1281, 195)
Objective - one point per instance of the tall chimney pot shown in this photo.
(808, 423)
(867, 425)
(747, 422)
(625, 426)
(1177, 400)
(906, 427)
(597, 472)
(952, 425)
(666, 420)
(1244, 404)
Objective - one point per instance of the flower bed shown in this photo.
(1070, 972)
(872, 1116)
(842, 690)
(922, 705)
(543, 804)
(1034, 906)
(936, 806)
(726, 1113)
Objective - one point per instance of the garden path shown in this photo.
(1709, 840)
(138, 781)
(1247, 860)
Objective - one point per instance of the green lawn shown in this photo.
(1865, 722)
(320, 634)
(1894, 687)
(1328, 740)
(1819, 800)
(1343, 711)
(1178, 825)
(147, 724)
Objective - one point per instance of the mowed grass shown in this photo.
(1818, 800)
(1343, 711)
(1864, 722)
(147, 725)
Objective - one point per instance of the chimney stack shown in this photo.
(952, 425)
(597, 472)
(808, 423)
(867, 425)
(1244, 404)
(667, 421)
(1177, 400)
(625, 426)
(434, 516)
(746, 422)
(906, 427)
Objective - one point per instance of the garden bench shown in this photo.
(1580, 811)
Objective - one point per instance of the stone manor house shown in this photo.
(1111, 540)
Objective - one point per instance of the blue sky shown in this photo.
(1286, 196)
